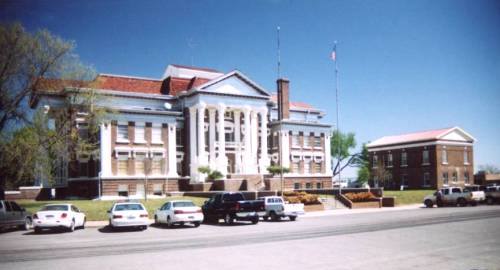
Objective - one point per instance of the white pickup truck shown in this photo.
(478, 195)
(276, 208)
(450, 196)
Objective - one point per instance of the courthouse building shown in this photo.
(165, 129)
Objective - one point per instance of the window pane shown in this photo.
(122, 132)
(156, 134)
(122, 166)
(139, 133)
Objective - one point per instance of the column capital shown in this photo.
(221, 106)
(193, 109)
(246, 109)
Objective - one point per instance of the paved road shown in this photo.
(445, 238)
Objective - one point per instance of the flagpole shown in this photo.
(337, 108)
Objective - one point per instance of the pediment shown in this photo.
(234, 84)
(457, 134)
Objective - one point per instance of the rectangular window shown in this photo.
(427, 179)
(296, 186)
(140, 158)
(158, 189)
(375, 161)
(404, 159)
(316, 167)
(389, 160)
(466, 157)
(404, 180)
(122, 133)
(444, 156)
(122, 168)
(445, 178)
(308, 185)
(425, 157)
(318, 186)
(123, 190)
(466, 178)
(156, 134)
(307, 167)
(295, 141)
(139, 133)
(454, 177)
(295, 167)
(157, 164)
(307, 142)
(317, 142)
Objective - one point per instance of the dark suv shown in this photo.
(11, 214)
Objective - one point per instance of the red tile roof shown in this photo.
(128, 84)
(295, 105)
(421, 136)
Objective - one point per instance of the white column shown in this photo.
(193, 167)
(328, 157)
(237, 138)
(222, 159)
(211, 137)
(285, 148)
(247, 154)
(172, 151)
(255, 139)
(264, 161)
(202, 156)
(105, 155)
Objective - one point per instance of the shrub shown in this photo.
(301, 197)
(360, 197)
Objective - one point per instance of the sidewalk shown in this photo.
(336, 212)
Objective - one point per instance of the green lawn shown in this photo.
(96, 210)
(408, 196)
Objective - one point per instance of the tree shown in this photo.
(489, 168)
(211, 174)
(26, 62)
(341, 146)
(31, 64)
(276, 170)
(364, 166)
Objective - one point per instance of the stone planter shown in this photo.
(369, 204)
(314, 207)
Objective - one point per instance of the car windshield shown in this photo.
(183, 204)
(127, 207)
(55, 208)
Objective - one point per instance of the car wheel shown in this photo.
(169, 222)
(143, 228)
(274, 216)
(38, 230)
(156, 220)
(28, 224)
(462, 202)
(265, 218)
(228, 219)
(255, 220)
(196, 224)
(473, 203)
(83, 224)
(72, 226)
(111, 225)
(293, 218)
(429, 203)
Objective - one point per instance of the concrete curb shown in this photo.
(336, 212)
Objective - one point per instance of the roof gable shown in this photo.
(233, 83)
(456, 134)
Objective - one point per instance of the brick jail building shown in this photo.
(165, 129)
(427, 159)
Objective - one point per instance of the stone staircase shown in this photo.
(331, 203)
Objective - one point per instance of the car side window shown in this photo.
(446, 191)
(1, 205)
(167, 207)
(74, 209)
(15, 206)
(455, 190)
(7, 207)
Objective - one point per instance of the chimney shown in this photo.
(283, 99)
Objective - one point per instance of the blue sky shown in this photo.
(404, 65)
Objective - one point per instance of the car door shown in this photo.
(163, 212)
(3, 214)
(79, 216)
(9, 214)
(17, 213)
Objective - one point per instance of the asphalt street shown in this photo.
(444, 238)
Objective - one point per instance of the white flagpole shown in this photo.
(337, 108)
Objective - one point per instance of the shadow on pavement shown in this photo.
(108, 229)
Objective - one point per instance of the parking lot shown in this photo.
(444, 238)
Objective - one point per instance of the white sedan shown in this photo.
(52, 216)
(179, 212)
(128, 214)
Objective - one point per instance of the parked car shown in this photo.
(179, 212)
(277, 208)
(477, 192)
(128, 214)
(11, 214)
(52, 216)
(450, 196)
(492, 194)
(232, 206)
